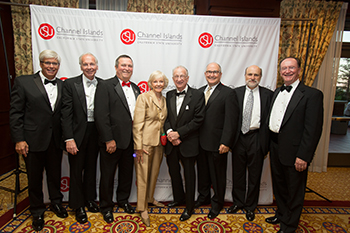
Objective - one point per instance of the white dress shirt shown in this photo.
(280, 106)
(180, 100)
(51, 90)
(89, 96)
(130, 97)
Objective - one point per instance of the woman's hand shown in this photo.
(139, 155)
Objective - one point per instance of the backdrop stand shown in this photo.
(17, 170)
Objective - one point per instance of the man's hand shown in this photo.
(176, 142)
(223, 149)
(173, 135)
(111, 146)
(22, 148)
(71, 147)
(300, 165)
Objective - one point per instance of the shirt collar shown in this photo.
(42, 76)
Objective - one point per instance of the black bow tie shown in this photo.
(50, 81)
(288, 88)
(181, 93)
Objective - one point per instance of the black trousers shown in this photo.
(82, 168)
(36, 162)
(247, 158)
(212, 168)
(173, 161)
(289, 190)
(124, 160)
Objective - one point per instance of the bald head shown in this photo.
(213, 73)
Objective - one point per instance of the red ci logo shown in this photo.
(65, 184)
(143, 86)
(127, 36)
(46, 31)
(205, 40)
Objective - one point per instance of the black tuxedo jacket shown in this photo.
(31, 117)
(188, 121)
(221, 119)
(301, 126)
(265, 102)
(112, 114)
(74, 109)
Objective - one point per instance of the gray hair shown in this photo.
(182, 68)
(81, 58)
(47, 54)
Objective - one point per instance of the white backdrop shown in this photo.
(159, 42)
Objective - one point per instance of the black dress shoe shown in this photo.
(92, 206)
(108, 216)
(272, 220)
(59, 210)
(80, 215)
(250, 215)
(38, 222)
(174, 203)
(199, 204)
(185, 215)
(127, 208)
(233, 209)
(212, 214)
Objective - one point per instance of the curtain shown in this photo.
(22, 31)
(162, 6)
(294, 34)
(326, 81)
(115, 5)
(84, 4)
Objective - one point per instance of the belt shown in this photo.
(251, 131)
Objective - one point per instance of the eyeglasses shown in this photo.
(284, 68)
(180, 77)
(212, 72)
(50, 63)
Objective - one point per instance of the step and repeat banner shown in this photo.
(159, 42)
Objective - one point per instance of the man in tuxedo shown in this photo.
(35, 128)
(295, 122)
(80, 135)
(216, 136)
(252, 142)
(115, 100)
(186, 111)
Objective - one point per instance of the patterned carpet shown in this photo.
(165, 220)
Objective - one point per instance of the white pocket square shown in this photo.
(187, 107)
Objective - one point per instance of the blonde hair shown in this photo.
(157, 74)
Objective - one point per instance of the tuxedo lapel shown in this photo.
(59, 94)
(172, 102)
(185, 103)
(120, 92)
(81, 93)
(240, 97)
(297, 96)
(40, 85)
(135, 90)
(263, 100)
(213, 95)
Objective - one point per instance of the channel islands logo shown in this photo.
(205, 40)
(143, 86)
(46, 31)
(127, 36)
